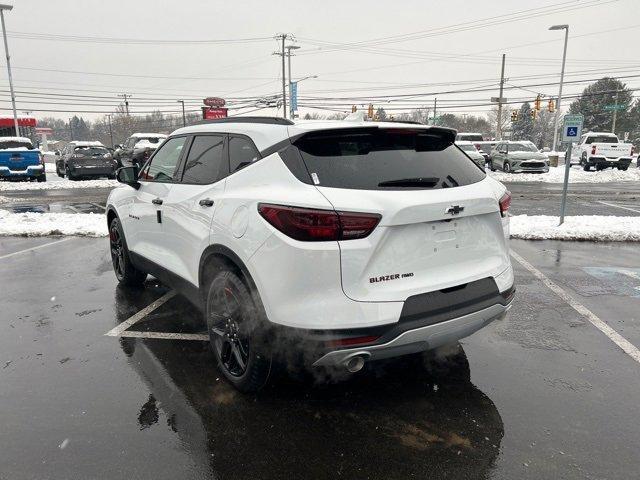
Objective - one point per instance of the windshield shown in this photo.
(468, 148)
(9, 144)
(149, 139)
(90, 151)
(376, 159)
(602, 139)
(522, 147)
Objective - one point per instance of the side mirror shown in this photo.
(128, 176)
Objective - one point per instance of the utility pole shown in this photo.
(283, 37)
(499, 126)
(615, 113)
(6, 51)
(71, 128)
(126, 102)
(110, 129)
(435, 107)
(184, 118)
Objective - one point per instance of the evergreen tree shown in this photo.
(593, 99)
(522, 129)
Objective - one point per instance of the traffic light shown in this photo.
(354, 109)
(551, 106)
(514, 116)
(537, 103)
(534, 114)
(370, 111)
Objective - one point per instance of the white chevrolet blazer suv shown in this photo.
(345, 242)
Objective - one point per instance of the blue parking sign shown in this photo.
(572, 128)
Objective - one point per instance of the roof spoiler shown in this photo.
(263, 120)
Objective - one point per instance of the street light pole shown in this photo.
(4, 7)
(289, 48)
(184, 118)
(564, 59)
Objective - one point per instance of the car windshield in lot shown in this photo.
(9, 144)
(374, 159)
(468, 148)
(90, 151)
(522, 147)
(602, 139)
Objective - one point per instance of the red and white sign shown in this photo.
(44, 131)
(214, 102)
(213, 113)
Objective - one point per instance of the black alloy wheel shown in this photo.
(125, 272)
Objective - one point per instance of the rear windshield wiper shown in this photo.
(411, 182)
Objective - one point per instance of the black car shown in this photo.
(86, 159)
(137, 149)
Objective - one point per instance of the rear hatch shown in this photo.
(440, 227)
(18, 155)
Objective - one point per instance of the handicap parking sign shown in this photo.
(572, 128)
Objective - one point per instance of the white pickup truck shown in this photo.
(602, 150)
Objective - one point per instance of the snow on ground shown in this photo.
(41, 224)
(50, 167)
(56, 183)
(598, 228)
(576, 175)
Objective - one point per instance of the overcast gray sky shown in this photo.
(436, 45)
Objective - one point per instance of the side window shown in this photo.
(164, 162)
(241, 153)
(204, 160)
(588, 140)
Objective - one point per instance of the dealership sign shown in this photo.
(214, 102)
(213, 113)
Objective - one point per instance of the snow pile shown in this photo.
(597, 228)
(576, 175)
(40, 224)
(57, 183)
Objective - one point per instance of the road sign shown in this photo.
(610, 108)
(572, 128)
(209, 113)
(214, 102)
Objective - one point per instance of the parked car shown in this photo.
(345, 242)
(80, 159)
(602, 150)
(472, 152)
(518, 157)
(485, 148)
(19, 160)
(137, 149)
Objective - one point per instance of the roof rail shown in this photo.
(267, 120)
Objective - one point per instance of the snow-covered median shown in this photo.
(597, 228)
(42, 224)
(576, 175)
(56, 183)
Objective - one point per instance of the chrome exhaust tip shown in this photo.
(354, 364)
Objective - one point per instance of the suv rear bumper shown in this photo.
(419, 339)
(32, 171)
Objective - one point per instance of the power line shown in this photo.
(131, 41)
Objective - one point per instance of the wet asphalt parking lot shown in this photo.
(544, 393)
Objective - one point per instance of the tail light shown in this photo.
(593, 150)
(505, 203)
(314, 225)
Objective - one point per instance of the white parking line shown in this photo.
(117, 331)
(166, 335)
(618, 206)
(99, 206)
(34, 248)
(614, 336)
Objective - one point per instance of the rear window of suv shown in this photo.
(382, 159)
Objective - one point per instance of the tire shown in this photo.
(70, 175)
(236, 332)
(623, 168)
(125, 272)
(506, 167)
(42, 178)
(59, 172)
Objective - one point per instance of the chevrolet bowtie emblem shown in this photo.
(454, 209)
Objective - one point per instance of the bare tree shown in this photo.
(504, 120)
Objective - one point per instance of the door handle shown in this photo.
(157, 201)
(206, 202)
